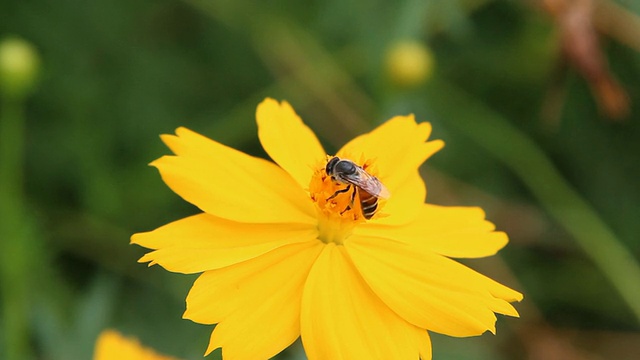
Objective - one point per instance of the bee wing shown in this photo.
(369, 183)
(384, 192)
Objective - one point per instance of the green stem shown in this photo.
(11, 146)
(13, 242)
(536, 171)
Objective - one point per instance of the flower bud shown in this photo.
(19, 67)
(409, 63)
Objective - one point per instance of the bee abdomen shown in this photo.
(368, 204)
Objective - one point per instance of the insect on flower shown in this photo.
(357, 179)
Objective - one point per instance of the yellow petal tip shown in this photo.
(134, 239)
(437, 144)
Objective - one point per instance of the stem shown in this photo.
(14, 245)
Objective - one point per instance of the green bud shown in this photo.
(409, 63)
(19, 67)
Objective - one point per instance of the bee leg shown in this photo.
(350, 206)
(345, 209)
(353, 196)
(339, 192)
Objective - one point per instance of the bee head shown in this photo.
(331, 165)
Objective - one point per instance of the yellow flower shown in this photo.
(281, 259)
(111, 345)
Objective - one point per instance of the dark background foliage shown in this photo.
(527, 139)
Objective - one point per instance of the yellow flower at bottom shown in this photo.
(111, 345)
(282, 255)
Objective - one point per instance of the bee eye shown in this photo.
(331, 165)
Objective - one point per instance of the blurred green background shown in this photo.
(537, 101)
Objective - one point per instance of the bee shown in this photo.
(357, 179)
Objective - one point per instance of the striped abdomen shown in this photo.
(368, 203)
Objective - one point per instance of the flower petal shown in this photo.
(288, 141)
(255, 303)
(404, 204)
(343, 319)
(459, 232)
(227, 183)
(429, 290)
(398, 147)
(205, 242)
(113, 345)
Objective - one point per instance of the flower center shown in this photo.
(338, 204)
